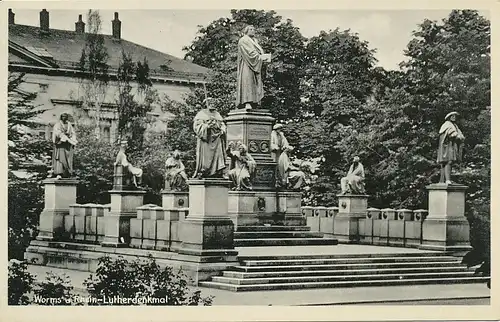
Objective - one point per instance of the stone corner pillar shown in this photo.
(59, 195)
(352, 208)
(446, 228)
(124, 204)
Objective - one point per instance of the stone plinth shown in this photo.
(250, 208)
(124, 204)
(59, 195)
(352, 208)
(243, 208)
(174, 199)
(253, 128)
(208, 230)
(446, 228)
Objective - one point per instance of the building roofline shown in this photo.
(56, 71)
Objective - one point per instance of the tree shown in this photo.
(28, 156)
(133, 107)
(93, 62)
(337, 84)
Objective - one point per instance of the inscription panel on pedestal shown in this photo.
(259, 131)
(235, 132)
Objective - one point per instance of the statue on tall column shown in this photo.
(121, 163)
(175, 175)
(249, 88)
(64, 139)
(278, 142)
(242, 167)
(354, 182)
(210, 130)
(451, 142)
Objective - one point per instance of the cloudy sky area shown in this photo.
(168, 31)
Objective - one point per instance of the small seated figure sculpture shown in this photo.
(175, 175)
(289, 176)
(354, 181)
(121, 161)
(242, 167)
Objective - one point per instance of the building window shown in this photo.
(106, 135)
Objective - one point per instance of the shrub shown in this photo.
(54, 291)
(140, 279)
(20, 283)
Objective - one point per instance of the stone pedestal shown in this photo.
(59, 195)
(124, 204)
(446, 228)
(174, 199)
(253, 128)
(352, 208)
(208, 230)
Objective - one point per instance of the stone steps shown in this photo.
(271, 228)
(335, 272)
(339, 278)
(342, 270)
(304, 241)
(342, 284)
(340, 266)
(325, 261)
(276, 234)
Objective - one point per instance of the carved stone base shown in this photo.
(208, 231)
(253, 128)
(352, 209)
(446, 228)
(124, 206)
(59, 195)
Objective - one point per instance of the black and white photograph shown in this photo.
(248, 156)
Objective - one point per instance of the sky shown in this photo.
(387, 31)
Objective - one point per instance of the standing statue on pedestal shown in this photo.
(451, 142)
(278, 142)
(64, 139)
(249, 88)
(122, 164)
(289, 176)
(242, 167)
(175, 176)
(210, 129)
(354, 182)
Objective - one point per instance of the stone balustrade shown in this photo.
(384, 227)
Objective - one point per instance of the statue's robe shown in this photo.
(278, 144)
(450, 147)
(289, 176)
(175, 176)
(241, 170)
(210, 146)
(249, 87)
(64, 139)
(354, 181)
(121, 160)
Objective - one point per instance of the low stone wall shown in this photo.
(156, 228)
(384, 227)
(85, 222)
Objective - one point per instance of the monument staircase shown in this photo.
(282, 272)
(275, 235)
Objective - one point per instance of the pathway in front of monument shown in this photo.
(315, 276)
